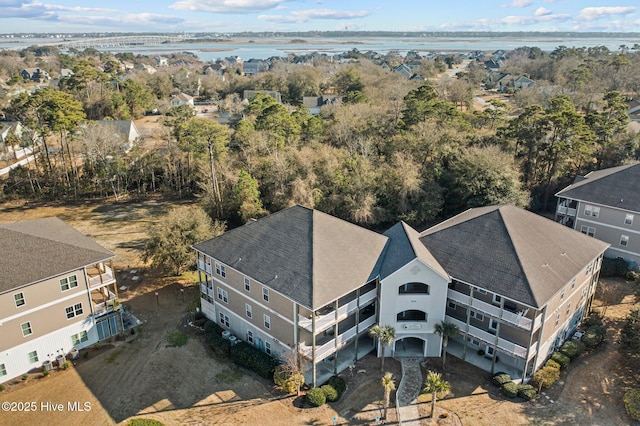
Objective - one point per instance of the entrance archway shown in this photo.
(410, 347)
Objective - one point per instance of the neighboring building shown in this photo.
(254, 66)
(605, 204)
(315, 103)
(57, 292)
(492, 65)
(8, 129)
(181, 99)
(248, 94)
(515, 283)
(404, 70)
(510, 83)
(633, 110)
(123, 128)
(37, 75)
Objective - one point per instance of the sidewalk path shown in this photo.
(408, 391)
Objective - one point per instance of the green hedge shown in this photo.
(330, 393)
(510, 390)
(338, 384)
(617, 267)
(594, 318)
(316, 397)
(561, 359)
(632, 403)
(545, 377)
(220, 345)
(552, 364)
(572, 349)
(144, 422)
(526, 392)
(500, 378)
(253, 359)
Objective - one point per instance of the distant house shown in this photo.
(315, 103)
(161, 61)
(65, 73)
(404, 70)
(181, 99)
(37, 75)
(510, 82)
(254, 66)
(123, 128)
(248, 94)
(634, 110)
(605, 204)
(492, 65)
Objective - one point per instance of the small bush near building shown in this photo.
(552, 364)
(1, 388)
(632, 403)
(594, 336)
(526, 392)
(500, 378)
(338, 384)
(210, 327)
(545, 377)
(617, 267)
(253, 359)
(561, 359)
(572, 349)
(316, 397)
(330, 393)
(144, 422)
(594, 318)
(510, 390)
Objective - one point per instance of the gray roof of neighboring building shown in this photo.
(316, 258)
(511, 252)
(404, 246)
(39, 249)
(126, 128)
(617, 187)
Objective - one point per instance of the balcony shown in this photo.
(100, 275)
(204, 266)
(504, 345)
(519, 320)
(206, 290)
(566, 211)
(103, 303)
(325, 319)
(332, 345)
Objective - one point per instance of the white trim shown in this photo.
(605, 224)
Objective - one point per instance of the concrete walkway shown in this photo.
(408, 391)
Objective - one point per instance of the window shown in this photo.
(452, 305)
(69, 282)
(265, 294)
(476, 315)
(490, 350)
(247, 284)
(589, 266)
(624, 240)
(224, 320)
(493, 325)
(584, 293)
(412, 315)
(412, 288)
(628, 219)
(497, 298)
(568, 309)
(249, 310)
(591, 211)
(267, 322)
(588, 230)
(26, 329)
(267, 348)
(573, 284)
(3, 370)
(481, 291)
(562, 294)
(33, 357)
(81, 337)
(223, 295)
(221, 270)
(473, 341)
(19, 299)
(249, 336)
(557, 320)
(74, 311)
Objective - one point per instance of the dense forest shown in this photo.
(416, 150)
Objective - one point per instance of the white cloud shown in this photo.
(298, 16)
(541, 11)
(518, 3)
(227, 6)
(591, 13)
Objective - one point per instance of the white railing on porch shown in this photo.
(104, 307)
(503, 344)
(334, 344)
(107, 278)
(325, 321)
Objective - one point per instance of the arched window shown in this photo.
(413, 288)
(412, 315)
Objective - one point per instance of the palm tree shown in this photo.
(435, 384)
(389, 386)
(384, 335)
(446, 330)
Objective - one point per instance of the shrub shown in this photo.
(144, 422)
(280, 376)
(199, 315)
(633, 276)
(24, 377)
(572, 349)
(315, 397)
(338, 384)
(526, 392)
(594, 318)
(85, 354)
(632, 403)
(552, 364)
(500, 378)
(1, 388)
(594, 336)
(220, 345)
(510, 390)
(561, 359)
(617, 267)
(330, 393)
(45, 373)
(211, 327)
(545, 377)
(253, 359)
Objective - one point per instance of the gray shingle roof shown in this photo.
(510, 251)
(617, 187)
(404, 246)
(316, 257)
(43, 248)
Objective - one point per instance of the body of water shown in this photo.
(265, 48)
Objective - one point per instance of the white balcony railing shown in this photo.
(107, 278)
(104, 307)
(517, 319)
(325, 321)
(326, 349)
(503, 344)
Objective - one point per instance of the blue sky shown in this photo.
(68, 16)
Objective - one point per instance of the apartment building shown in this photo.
(301, 281)
(57, 292)
(605, 204)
